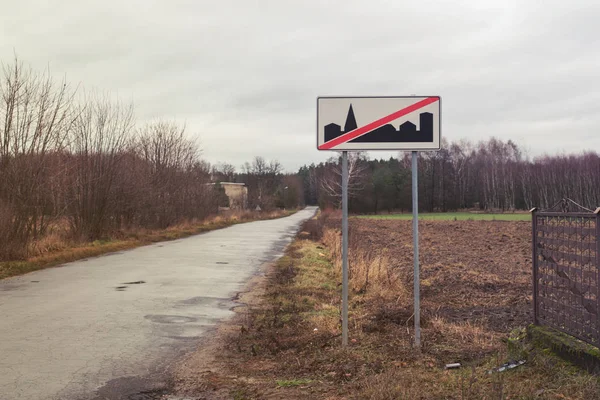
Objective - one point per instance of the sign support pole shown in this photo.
(416, 278)
(344, 248)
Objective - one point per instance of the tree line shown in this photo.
(489, 175)
(76, 163)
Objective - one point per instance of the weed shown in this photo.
(293, 382)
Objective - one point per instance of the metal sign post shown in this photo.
(415, 224)
(344, 248)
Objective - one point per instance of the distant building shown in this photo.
(237, 193)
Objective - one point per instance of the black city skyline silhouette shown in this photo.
(407, 132)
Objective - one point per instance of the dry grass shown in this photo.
(368, 268)
(57, 247)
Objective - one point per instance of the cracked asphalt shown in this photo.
(109, 327)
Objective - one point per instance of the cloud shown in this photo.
(244, 75)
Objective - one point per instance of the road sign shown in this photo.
(379, 123)
(369, 123)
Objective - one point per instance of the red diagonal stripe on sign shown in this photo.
(346, 137)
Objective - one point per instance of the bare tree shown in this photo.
(224, 172)
(36, 119)
(171, 158)
(263, 179)
(461, 158)
(100, 139)
(331, 182)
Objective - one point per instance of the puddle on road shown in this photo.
(222, 262)
(185, 338)
(134, 388)
(170, 319)
(203, 301)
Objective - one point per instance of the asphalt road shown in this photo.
(108, 327)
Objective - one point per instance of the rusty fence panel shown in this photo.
(566, 272)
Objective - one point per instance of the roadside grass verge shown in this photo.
(289, 346)
(55, 249)
(455, 216)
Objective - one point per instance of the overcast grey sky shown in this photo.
(244, 75)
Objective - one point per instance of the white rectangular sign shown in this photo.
(379, 123)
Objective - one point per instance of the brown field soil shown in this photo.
(476, 299)
(471, 271)
(57, 247)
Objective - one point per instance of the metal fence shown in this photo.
(566, 272)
